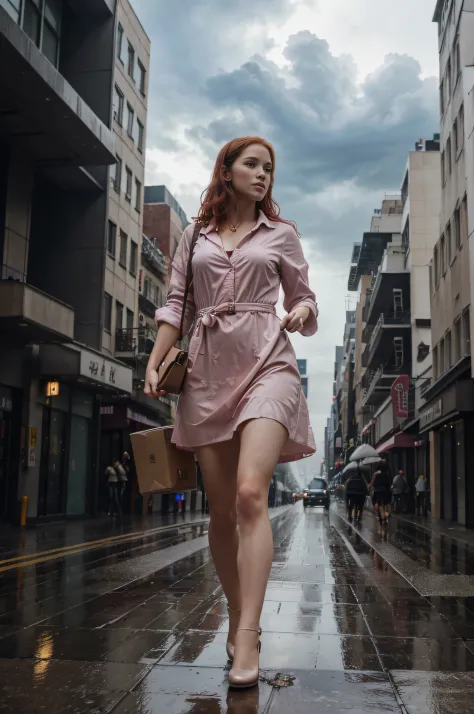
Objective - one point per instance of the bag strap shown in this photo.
(189, 277)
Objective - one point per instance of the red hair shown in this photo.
(217, 198)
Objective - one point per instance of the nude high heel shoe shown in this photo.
(230, 648)
(246, 678)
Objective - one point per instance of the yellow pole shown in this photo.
(24, 509)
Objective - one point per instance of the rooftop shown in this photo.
(160, 194)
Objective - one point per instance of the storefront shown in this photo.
(10, 436)
(449, 420)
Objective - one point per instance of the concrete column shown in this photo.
(32, 418)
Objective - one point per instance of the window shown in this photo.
(457, 59)
(397, 301)
(448, 155)
(130, 120)
(118, 105)
(107, 312)
(32, 20)
(441, 97)
(435, 363)
(123, 249)
(13, 7)
(398, 351)
(441, 358)
(456, 138)
(119, 42)
(449, 251)
(111, 238)
(138, 196)
(448, 80)
(42, 23)
(449, 356)
(461, 126)
(141, 135)
(131, 61)
(117, 175)
(443, 168)
(464, 221)
(128, 192)
(118, 315)
(142, 71)
(457, 340)
(466, 333)
(457, 227)
(133, 257)
(436, 265)
(129, 319)
(52, 30)
(442, 255)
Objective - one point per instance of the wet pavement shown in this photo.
(137, 625)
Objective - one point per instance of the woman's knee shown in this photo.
(252, 501)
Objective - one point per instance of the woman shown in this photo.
(113, 485)
(242, 409)
(382, 494)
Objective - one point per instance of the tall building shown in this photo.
(303, 370)
(55, 149)
(164, 219)
(448, 416)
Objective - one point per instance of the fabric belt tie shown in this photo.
(208, 315)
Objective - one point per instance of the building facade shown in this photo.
(56, 148)
(448, 416)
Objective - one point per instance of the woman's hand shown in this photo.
(294, 321)
(151, 383)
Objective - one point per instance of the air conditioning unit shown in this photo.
(142, 320)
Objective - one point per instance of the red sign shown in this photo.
(400, 396)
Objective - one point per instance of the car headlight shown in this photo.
(305, 495)
(325, 493)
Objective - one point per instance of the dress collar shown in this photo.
(262, 219)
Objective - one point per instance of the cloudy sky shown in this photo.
(342, 89)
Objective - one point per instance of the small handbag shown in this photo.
(172, 370)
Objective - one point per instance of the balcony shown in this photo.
(380, 384)
(153, 258)
(41, 113)
(134, 343)
(33, 316)
(392, 277)
(379, 349)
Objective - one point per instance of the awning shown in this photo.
(398, 441)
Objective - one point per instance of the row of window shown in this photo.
(451, 241)
(131, 195)
(135, 129)
(120, 315)
(451, 76)
(131, 60)
(455, 345)
(41, 21)
(446, 155)
(123, 254)
(153, 292)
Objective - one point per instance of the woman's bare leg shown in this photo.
(262, 441)
(218, 464)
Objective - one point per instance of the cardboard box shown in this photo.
(160, 465)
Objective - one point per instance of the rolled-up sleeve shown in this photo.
(171, 312)
(294, 279)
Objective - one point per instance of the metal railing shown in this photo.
(135, 341)
(153, 257)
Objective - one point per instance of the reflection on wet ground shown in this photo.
(141, 629)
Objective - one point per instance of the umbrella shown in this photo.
(371, 460)
(364, 451)
(351, 466)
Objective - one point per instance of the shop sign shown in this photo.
(111, 374)
(399, 391)
(431, 414)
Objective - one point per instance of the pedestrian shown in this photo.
(356, 488)
(381, 495)
(122, 480)
(242, 407)
(113, 486)
(420, 488)
(399, 488)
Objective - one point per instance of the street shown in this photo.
(136, 623)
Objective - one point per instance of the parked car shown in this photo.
(317, 494)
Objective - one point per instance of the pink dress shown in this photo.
(241, 366)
